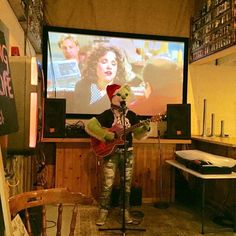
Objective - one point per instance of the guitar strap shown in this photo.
(118, 117)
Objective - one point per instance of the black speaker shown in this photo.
(54, 118)
(179, 121)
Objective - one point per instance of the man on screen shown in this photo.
(163, 82)
(70, 47)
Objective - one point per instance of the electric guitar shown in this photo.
(103, 149)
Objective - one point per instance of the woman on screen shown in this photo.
(105, 65)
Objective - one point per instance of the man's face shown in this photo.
(116, 99)
(119, 97)
(70, 49)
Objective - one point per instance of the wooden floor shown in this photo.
(176, 220)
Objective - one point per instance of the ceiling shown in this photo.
(161, 17)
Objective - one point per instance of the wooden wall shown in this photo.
(78, 169)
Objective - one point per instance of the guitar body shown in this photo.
(102, 149)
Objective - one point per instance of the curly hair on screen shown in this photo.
(90, 68)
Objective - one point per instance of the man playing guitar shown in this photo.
(107, 140)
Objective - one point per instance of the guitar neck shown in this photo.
(130, 129)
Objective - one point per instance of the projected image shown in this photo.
(81, 65)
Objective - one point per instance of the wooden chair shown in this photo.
(43, 197)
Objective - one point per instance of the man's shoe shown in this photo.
(128, 218)
(102, 217)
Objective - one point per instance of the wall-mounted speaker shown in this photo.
(54, 118)
(24, 74)
(179, 121)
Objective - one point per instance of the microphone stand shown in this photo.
(123, 107)
(123, 229)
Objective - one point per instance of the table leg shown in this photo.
(234, 204)
(203, 205)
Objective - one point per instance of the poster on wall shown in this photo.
(8, 114)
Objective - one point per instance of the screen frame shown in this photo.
(68, 30)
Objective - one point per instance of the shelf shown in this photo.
(226, 141)
(227, 13)
(87, 140)
(217, 34)
(226, 56)
(214, 4)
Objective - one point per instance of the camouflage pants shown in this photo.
(111, 164)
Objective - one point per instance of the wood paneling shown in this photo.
(76, 168)
(79, 170)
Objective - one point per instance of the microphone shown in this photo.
(123, 104)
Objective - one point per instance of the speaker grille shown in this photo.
(54, 118)
(178, 121)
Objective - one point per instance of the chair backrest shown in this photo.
(43, 197)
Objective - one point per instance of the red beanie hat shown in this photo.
(111, 89)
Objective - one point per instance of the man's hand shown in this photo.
(109, 136)
(146, 127)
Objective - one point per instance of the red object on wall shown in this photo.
(15, 51)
